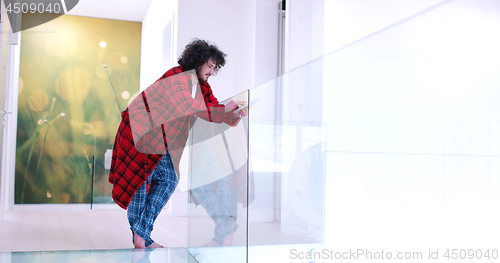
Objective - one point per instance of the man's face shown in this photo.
(206, 70)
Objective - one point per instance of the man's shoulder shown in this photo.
(173, 77)
(171, 72)
(174, 71)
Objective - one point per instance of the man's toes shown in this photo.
(155, 245)
(211, 244)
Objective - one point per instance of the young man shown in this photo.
(154, 129)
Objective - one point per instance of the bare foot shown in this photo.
(155, 245)
(211, 244)
(228, 240)
(139, 242)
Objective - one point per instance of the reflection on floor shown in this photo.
(202, 231)
(90, 229)
(109, 229)
(163, 255)
(258, 254)
(104, 236)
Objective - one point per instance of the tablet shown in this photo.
(246, 105)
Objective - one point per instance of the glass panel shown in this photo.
(413, 158)
(400, 127)
(68, 113)
(287, 159)
(218, 174)
(101, 190)
(285, 180)
(111, 256)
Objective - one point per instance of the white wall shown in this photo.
(159, 15)
(305, 23)
(299, 33)
(245, 42)
(213, 21)
(304, 43)
(265, 52)
(319, 27)
(347, 21)
(246, 30)
(412, 126)
(128, 10)
(10, 58)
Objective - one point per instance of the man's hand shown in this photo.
(243, 106)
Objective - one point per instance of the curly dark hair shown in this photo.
(198, 52)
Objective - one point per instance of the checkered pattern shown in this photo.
(129, 167)
(167, 109)
(144, 207)
(220, 201)
(172, 112)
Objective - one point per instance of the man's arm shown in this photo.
(170, 99)
(219, 113)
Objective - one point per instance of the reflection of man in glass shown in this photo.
(153, 131)
(220, 200)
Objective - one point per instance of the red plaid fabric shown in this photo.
(157, 119)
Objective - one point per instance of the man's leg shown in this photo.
(230, 198)
(134, 210)
(163, 181)
(231, 201)
(213, 199)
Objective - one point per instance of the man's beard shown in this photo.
(201, 81)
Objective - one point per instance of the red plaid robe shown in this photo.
(162, 113)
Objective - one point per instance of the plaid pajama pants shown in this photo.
(220, 201)
(144, 207)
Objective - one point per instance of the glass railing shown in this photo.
(268, 189)
(49, 150)
(101, 188)
(387, 147)
(219, 185)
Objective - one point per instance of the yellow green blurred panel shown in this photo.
(68, 113)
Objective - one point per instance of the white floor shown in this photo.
(109, 229)
(85, 230)
(158, 255)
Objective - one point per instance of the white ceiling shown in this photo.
(130, 10)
